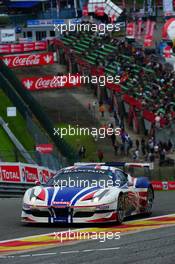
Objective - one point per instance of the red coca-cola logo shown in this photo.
(30, 60)
(50, 83)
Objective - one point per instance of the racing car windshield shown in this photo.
(83, 178)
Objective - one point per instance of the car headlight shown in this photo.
(33, 199)
(95, 199)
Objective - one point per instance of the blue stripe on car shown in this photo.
(66, 194)
(84, 193)
(50, 195)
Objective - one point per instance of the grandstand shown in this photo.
(115, 56)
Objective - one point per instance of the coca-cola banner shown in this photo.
(10, 173)
(51, 82)
(23, 47)
(24, 173)
(28, 60)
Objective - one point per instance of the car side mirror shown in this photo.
(37, 183)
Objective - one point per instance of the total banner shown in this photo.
(24, 173)
(23, 47)
(51, 82)
(14, 61)
(163, 185)
(9, 173)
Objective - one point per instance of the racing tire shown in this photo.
(150, 199)
(120, 209)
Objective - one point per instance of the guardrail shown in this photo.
(12, 190)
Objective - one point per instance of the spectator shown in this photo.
(102, 109)
(162, 157)
(82, 152)
(137, 144)
(100, 155)
(115, 150)
(137, 154)
(143, 147)
(113, 139)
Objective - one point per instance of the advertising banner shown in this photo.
(10, 173)
(167, 6)
(167, 52)
(130, 30)
(29, 174)
(7, 35)
(148, 41)
(99, 10)
(44, 148)
(24, 173)
(51, 82)
(28, 60)
(163, 185)
(85, 10)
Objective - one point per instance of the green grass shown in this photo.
(16, 124)
(76, 141)
(6, 147)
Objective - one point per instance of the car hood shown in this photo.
(67, 195)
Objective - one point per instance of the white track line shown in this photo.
(81, 229)
(62, 252)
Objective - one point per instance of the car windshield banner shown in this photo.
(28, 60)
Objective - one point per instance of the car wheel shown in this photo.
(150, 199)
(120, 209)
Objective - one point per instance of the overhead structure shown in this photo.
(102, 7)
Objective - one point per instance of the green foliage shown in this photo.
(16, 124)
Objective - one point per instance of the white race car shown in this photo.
(89, 193)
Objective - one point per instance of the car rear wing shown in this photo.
(117, 164)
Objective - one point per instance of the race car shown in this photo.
(89, 193)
